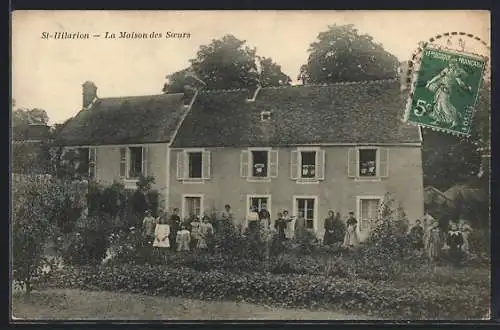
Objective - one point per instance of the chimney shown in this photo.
(89, 92)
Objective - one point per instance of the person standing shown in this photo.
(339, 231)
(417, 236)
(195, 232)
(148, 228)
(253, 221)
(465, 229)
(206, 233)
(227, 219)
(280, 226)
(175, 225)
(162, 232)
(290, 225)
(300, 226)
(183, 238)
(433, 241)
(455, 241)
(329, 226)
(264, 215)
(351, 235)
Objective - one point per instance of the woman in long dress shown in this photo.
(329, 236)
(205, 233)
(443, 85)
(351, 235)
(162, 232)
(433, 242)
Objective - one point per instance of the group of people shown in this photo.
(429, 238)
(173, 233)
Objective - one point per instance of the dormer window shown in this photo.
(265, 115)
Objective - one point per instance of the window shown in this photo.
(306, 206)
(308, 164)
(367, 162)
(192, 206)
(265, 115)
(259, 163)
(135, 162)
(368, 211)
(195, 165)
(258, 202)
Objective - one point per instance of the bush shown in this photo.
(414, 301)
(480, 242)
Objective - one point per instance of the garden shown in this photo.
(382, 278)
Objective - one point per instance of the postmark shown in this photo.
(445, 87)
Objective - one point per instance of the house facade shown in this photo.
(306, 149)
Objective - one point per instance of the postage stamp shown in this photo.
(446, 90)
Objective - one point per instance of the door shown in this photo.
(306, 206)
(368, 214)
(192, 206)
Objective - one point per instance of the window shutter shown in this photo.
(244, 158)
(383, 162)
(206, 164)
(320, 164)
(123, 162)
(352, 163)
(92, 162)
(294, 165)
(273, 163)
(180, 165)
(145, 163)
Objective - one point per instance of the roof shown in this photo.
(467, 191)
(125, 120)
(361, 112)
(431, 189)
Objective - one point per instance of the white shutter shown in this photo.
(352, 163)
(383, 162)
(320, 164)
(244, 159)
(294, 165)
(206, 164)
(273, 163)
(145, 158)
(123, 162)
(92, 161)
(180, 164)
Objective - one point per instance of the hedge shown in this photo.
(418, 300)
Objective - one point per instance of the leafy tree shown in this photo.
(342, 54)
(271, 74)
(226, 63)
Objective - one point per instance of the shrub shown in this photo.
(421, 300)
(480, 242)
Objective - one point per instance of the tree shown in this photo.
(342, 54)
(226, 63)
(22, 118)
(271, 74)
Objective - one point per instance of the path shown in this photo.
(57, 304)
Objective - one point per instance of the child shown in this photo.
(455, 240)
(162, 231)
(148, 228)
(183, 239)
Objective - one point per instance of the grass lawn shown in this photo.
(63, 304)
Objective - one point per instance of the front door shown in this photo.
(306, 206)
(368, 214)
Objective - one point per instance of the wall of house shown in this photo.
(108, 165)
(337, 192)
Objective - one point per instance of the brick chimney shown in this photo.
(89, 92)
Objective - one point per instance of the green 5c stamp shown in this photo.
(446, 90)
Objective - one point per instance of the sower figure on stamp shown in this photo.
(443, 85)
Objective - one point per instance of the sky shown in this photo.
(48, 73)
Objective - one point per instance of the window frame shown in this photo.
(269, 202)
(185, 154)
(264, 114)
(377, 177)
(126, 178)
(295, 209)
(359, 199)
(319, 157)
(184, 212)
(129, 159)
(250, 176)
(188, 164)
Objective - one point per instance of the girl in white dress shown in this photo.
(162, 231)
